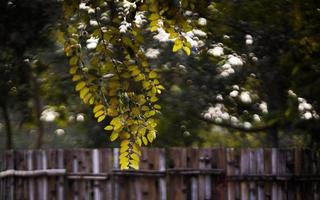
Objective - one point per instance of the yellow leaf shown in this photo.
(98, 107)
(139, 77)
(154, 99)
(135, 157)
(91, 101)
(73, 60)
(84, 91)
(101, 118)
(187, 50)
(152, 74)
(173, 35)
(87, 97)
(142, 131)
(145, 141)
(98, 114)
(115, 121)
(134, 164)
(80, 85)
(154, 28)
(108, 128)
(136, 149)
(124, 143)
(160, 87)
(135, 111)
(139, 142)
(152, 112)
(153, 17)
(124, 135)
(124, 166)
(124, 149)
(73, 70)
(76, 77)
(114, 136)
(150, 136)
(157, 106)
(177, 46)
(146, 84)
(187, 44)
(154, 23)
(112, 112)
(135, 72)
(145, 108)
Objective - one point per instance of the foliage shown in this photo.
(104, 42)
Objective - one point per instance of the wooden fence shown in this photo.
(173, 174)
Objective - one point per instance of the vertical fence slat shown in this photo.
(231, 172)
(177, 183)
(115, 179)
(260, 171)
(60, 180)
(106, 162)
(252, 171)
(96, 170)
(244, 170)
(274, 171)
(162, 181)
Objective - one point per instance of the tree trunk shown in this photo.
(9, 144)
(38, 110)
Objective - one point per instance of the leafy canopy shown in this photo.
(104, 40)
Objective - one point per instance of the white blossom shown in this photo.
(93, 22)
(80, 117)
(263, 107)
(92, 43)
(256, 118)
(307, 115)
(82, 6)
(234, 93)
(152, 53)
(247, 125)
(59, 131)
(216, 51)
(202, 21)
(199, 33)
(249, 40)
(245, 97)
(139, 19)
(49, 115)
(235, 61)
(219, 97)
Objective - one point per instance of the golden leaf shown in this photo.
(114, 136)
(187, 50)
(98, 114)
(152, 74)
(145, 141)
(73, 70)
(98, 107)
(108, 128)
(84, 91)
(101, 118)
(80, 85)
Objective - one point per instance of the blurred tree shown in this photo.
(247, 70)
(23, 31)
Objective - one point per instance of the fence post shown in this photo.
(162, 180)
(96, 170)
(115, 179)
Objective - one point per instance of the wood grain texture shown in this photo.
(174, 174)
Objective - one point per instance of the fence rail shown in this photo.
(172, 174)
